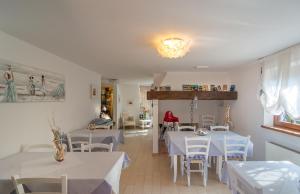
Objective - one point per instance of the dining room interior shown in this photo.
(149, 97)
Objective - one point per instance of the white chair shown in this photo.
(216, 128)
(98, 147)
(77, 142)
(37, 148)
(128, 120)
(219, 128)
(19, 182)
(186, 128)
(207, 120)
(236, 147)
(197, 149)
(170, 126)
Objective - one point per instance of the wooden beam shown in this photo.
(189, 95)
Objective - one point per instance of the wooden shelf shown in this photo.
(189, 95)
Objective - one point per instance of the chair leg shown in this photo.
(214, 160)
(209, 161)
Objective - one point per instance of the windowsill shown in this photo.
(283, 130)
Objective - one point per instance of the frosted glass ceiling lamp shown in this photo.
(173, 47)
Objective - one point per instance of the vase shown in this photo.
(59, 154)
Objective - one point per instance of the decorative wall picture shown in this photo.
(232, 88)
(20, 83)
(186, 87)
(200, 88)
(195, 87)
(94, 91)
(210, 87)
(165, 88)
(205, 87)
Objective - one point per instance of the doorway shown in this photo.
(107, 99)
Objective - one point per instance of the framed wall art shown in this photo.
(21, 83)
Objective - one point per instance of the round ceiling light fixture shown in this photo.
(173, 47)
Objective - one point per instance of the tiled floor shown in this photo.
(149, 174)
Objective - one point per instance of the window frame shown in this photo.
(279, 123)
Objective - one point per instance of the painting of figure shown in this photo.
(21, 83)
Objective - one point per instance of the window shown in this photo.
(287, 122)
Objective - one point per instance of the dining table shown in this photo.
(176, 147)
(87, 172)
(102, 136)
(263, 177)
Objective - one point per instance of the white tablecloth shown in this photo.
(103, 136)
(88, 173)
(264, 177)
(176, 146)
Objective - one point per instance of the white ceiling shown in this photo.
(114, 37)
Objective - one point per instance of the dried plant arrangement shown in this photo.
(59, 148)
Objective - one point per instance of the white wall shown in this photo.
(27, 123)
(248, 115)
(181, 108)
(130, 93)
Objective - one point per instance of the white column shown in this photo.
(155, 131)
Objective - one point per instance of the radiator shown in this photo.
(276, 152)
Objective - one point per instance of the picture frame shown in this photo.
(187, 87)
(165, 88)
(232, 88)
(22, 83)
(205, 88)
(195, 87)
(94, 91)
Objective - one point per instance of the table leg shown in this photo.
(182, 164)
(219, 167)
(174, 168)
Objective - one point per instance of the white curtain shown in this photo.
(280, 83)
